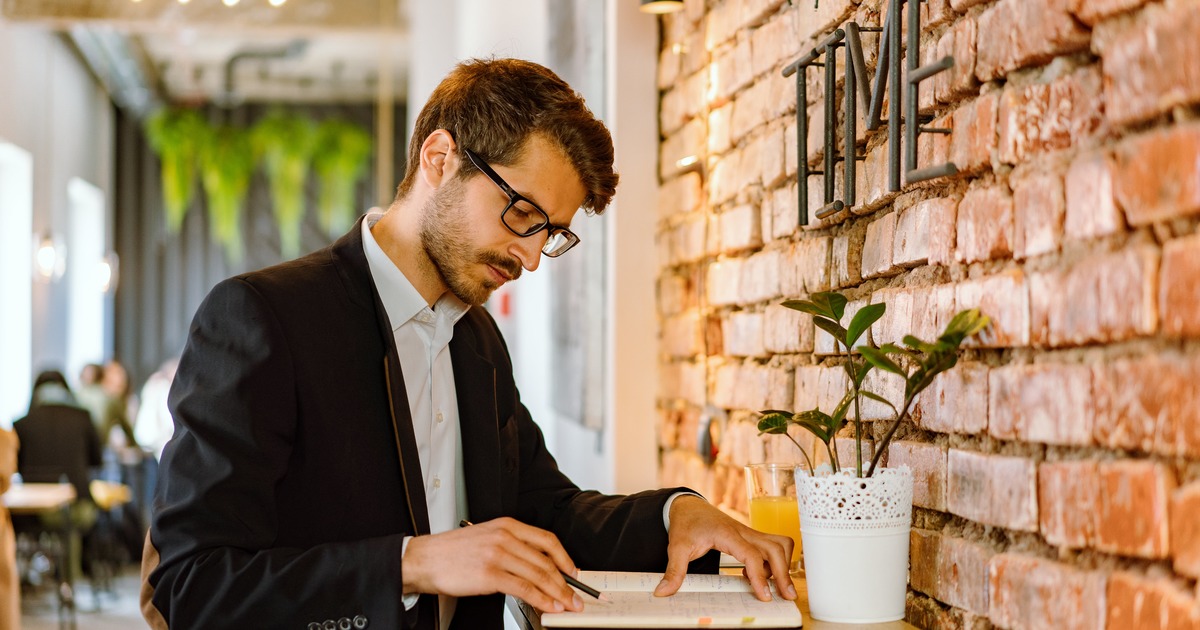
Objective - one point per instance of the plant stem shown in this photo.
(802, 452)
(887, 438)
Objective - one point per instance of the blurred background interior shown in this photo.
(128, 188)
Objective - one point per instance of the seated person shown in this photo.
(338, 415)
(59, 441)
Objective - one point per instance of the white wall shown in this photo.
(53, 109)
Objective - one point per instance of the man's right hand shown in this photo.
(498, 556)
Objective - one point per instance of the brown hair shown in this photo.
(493, 106)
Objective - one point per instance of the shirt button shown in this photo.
(440, 417)
(437, 481)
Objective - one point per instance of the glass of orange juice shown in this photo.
(771, 490)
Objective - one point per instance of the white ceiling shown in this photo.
(183, 49)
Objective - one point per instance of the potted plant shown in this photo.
(227, 166)
(855, 523)
(176, 135)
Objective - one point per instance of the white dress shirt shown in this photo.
(422, 338)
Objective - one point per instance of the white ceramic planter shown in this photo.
(856, 534)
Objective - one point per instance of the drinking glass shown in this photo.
(771, 490)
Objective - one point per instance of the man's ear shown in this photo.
(439, 158)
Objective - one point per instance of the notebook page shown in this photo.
(634, 609)
(606, 581)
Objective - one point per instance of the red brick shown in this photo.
(723, 280)
(1027, 593)
(943, 230)
(1022, 114)
(719, 138)
(1004, 298)
(1185, 529)
(669, 65)
(1047, 403)
(1104, 297)
(958, 42)
(975, 134)
(1092, 11)
(743, 334)
(1150, 404)
(928, 464)
(957, 401)
(1038, 211)
(1022, 33)
(676, 293)
(1179, 288)
(749, 110)
(925, 553)
(682, 335)
(1091, 208)
(933, 308)
(993, 489)
(1149, 65)
(740, 228)
(771, 45)
(1140, 603)
(785, 219)
(772, 157)
(760, 277)
(985, 225)
(754, 389)
(680, 195)
(681, 103)
(1068, 499)
(1157, 175)
(1077, 105)
(910, 246)
(1132, 516)
(877, 248)
(897, 317)
(964, 574)
(846, 264)
(688, 141)
(787, 331)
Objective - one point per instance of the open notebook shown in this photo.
(704, 601)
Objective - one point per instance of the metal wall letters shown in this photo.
(857, 84)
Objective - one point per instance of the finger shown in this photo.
(779, 555)
(525, 570)
(754, 564)
(678, 558)
(544, 542)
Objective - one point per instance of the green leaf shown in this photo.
(806, 307)
(863, 370)
(831, 327)
(863, 319)
(833, 302)
(917, 344)
(825, 425)
(775, 423)
(340, 158)
(879, 359)
(843, 406)
(877, 397)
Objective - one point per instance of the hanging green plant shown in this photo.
(176, 135)
(286, 141)
(340, 160)
(227, 165)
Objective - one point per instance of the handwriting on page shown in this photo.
(631, 581)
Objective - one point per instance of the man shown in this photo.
(338, 415)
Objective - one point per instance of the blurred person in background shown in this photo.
(59, 440)
(90, 393)
(119, 401)
(154, 426)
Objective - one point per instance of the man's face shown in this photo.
(461, 229)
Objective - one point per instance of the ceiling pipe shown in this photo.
(292, 50)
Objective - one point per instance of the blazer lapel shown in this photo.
(479, 422)
(352, 264)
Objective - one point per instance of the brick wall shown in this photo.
(1058, 465)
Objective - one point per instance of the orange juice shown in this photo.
(777, 515)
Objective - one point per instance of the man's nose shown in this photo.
(528, 249)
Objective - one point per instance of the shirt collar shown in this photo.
(400, 298)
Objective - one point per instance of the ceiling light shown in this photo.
(229, 3)
(49, 257)
(661, 6)
(183, 1)
(277, 3)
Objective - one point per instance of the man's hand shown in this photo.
(697, 527)
(499, 556)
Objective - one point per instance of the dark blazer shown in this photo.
(58, 440)
(293, 474)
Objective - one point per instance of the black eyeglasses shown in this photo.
(523, 217)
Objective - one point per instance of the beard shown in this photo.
(446, 237)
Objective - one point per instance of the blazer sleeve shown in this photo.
(215, 518)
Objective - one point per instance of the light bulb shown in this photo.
(277, 3)
(229, 3)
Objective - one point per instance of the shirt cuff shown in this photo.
(666, 509)
(410, 599)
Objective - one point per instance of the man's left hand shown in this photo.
(697, 527)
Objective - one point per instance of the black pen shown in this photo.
(570, 580)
